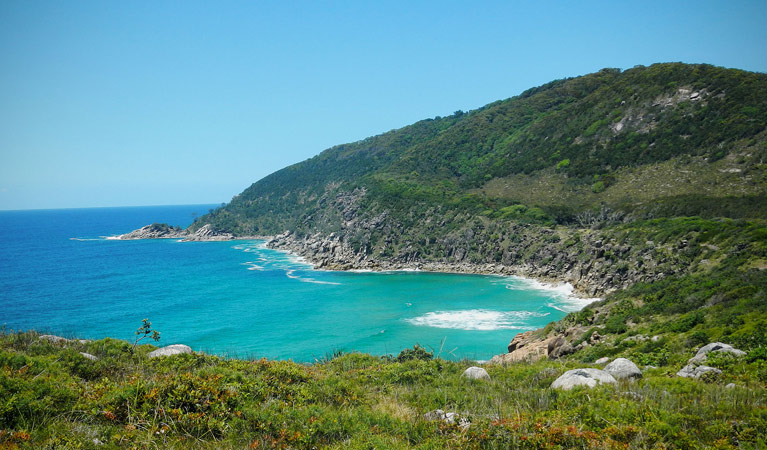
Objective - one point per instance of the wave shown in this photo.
(88, 239)
(562, 292)
(476, 319)
(291, 274)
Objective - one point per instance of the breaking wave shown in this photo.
(476, 319)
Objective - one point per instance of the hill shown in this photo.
(658, 141)
(647, 186)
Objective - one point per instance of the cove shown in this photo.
(239, 298)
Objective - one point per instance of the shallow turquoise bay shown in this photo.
(59, 274)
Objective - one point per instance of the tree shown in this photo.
(145, 331)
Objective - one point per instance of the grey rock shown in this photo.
(702, 354)
(447, 417)
(730, 386)
(693, 371)
(53, 339)
(582, 377)
(564, 348)
(89, 356)
(476, 373)
(622, 368)
(175, 349)
(602, 360)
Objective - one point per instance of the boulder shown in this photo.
(89, 356)
(476, 373)
(582, 377)
(53, 339)
(622, 369)
(602, 360)
(702, 354)
(527, 347)
(175, 349)
(693, 371)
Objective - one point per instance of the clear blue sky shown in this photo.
(110, 103)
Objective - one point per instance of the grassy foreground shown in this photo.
(53, 397)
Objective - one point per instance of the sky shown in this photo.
(125, 103)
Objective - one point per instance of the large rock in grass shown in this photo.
(175, 349)
(623, 369)
(582, 377)
(476, 373)
(89, 356)
(693, 371)
(53, 339)
(702, 354)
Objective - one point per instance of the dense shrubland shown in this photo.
(52, 397)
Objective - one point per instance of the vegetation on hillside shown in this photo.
(598, 139)
(53, 397)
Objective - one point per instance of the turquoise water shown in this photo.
(59, 273)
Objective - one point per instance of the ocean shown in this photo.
(60, 274)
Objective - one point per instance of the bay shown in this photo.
(60, 274)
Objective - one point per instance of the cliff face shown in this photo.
(595, 262)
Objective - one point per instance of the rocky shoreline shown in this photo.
(554, 264)
(330, 254)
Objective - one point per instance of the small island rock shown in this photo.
(623, 368)
(582, 377)
(476, 373)
(175, 349)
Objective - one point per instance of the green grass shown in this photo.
(51, 397)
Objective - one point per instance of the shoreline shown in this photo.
(497, 270)
(337, 258)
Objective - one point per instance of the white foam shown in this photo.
(563, 292)
(291, 274)
(476, 319)
(87, 239)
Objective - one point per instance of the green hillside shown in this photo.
(664, 140)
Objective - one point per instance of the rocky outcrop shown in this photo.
(694, 371)
(582, 377)
(623, 369)
(155, 231)
(696, 368)
(528, 346)
(53, 339)
(176, 349)
(476, 373)
(702, 355)
(208, 233)
(165, 231)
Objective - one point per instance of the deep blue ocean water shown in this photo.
(59, 274)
